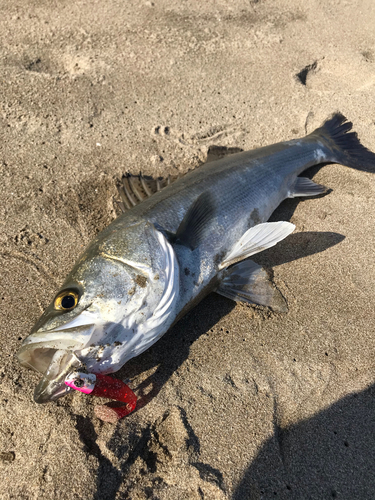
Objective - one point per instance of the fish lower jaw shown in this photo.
(47, 391)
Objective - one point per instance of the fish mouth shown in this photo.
(55, 365)
(51, 353)
(48, 390)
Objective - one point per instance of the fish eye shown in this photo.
(66, 300)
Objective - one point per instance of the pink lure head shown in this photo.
(82, 382)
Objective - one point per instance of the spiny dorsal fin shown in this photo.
(135, 188)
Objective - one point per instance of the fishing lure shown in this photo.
(104, 386)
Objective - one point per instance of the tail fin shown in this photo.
(345, 145)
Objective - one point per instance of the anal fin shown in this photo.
(248, 282)
(303, 186)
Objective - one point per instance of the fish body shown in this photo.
(158, 259)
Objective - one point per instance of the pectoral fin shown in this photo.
(248, 282)
(256, 239)
(193, 228)
(303, 186)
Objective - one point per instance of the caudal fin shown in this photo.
(344, 144)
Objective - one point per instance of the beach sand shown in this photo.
(236, 402)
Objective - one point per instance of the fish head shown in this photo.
(118, 300)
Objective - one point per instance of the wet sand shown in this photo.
(236, 402)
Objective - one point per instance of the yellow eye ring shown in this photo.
(66, 301)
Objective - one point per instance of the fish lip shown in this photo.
(38, 353)
(48, 390)
(56, 336)
(54, 367)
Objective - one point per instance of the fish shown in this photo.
(172, 245)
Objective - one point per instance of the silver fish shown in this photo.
(164, 254)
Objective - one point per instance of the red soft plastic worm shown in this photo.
(104, 386)
(112, 388)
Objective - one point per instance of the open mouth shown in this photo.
(52, 354)
(54, 363)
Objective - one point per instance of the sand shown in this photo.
(236, 402)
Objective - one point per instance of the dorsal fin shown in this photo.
(135, 188)
(217, 152)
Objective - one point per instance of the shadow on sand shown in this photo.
(331, 455)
